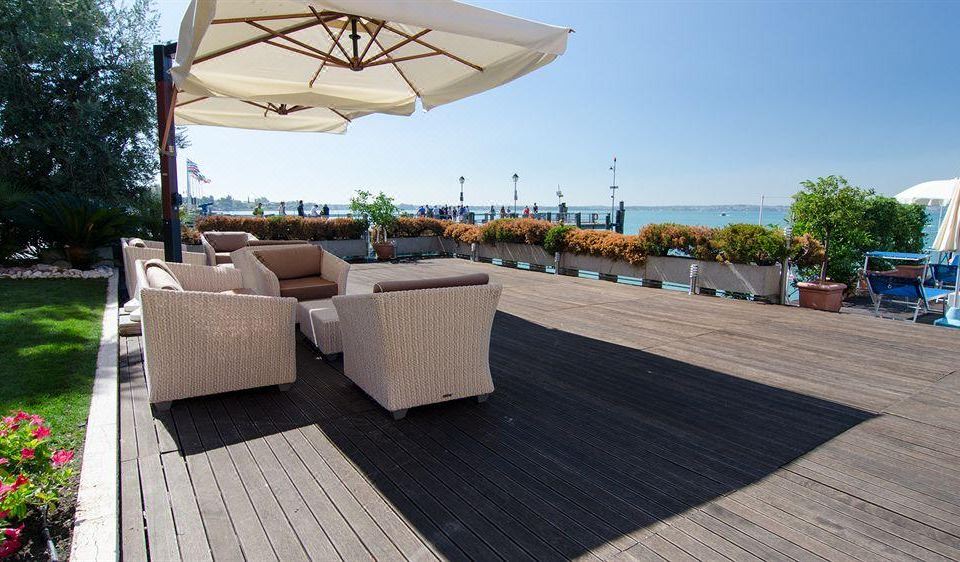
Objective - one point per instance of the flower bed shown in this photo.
(32, 473)
(285, 227)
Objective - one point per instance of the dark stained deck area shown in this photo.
(627, 423)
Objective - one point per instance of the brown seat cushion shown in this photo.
(308, 288)
(433, 283)
(224, 257)
(291, 262)
(226, 241)
(159, 276)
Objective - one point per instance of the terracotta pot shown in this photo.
(822, 296)
(385, 250)
(78, 257)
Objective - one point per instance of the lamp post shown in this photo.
(613, 189)
(462, 179)
(559, 198)
(516, 178)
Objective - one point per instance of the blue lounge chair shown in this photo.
(943, 275)
(909, 291)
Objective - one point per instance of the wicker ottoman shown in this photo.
(319, 322)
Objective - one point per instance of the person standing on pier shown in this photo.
(300, 208)
(283, 209)
(326, 211)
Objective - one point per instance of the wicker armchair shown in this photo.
(264, 281)
(132, 251)
(211, 337)
(218, 245)
(406, 349)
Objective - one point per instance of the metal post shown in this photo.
(170, 199)
(760, 218)
(556, 263)
(515, 179)
(576, 217)
(613, 188)
(621, 218)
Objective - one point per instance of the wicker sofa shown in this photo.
(306, 272)
(220, 245)
(203, 333)
(134, 249)
(404, 348)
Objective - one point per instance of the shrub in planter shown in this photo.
(463, 233)
(693, 241)
(286, 227)
(750, 243)
(409, 227)
(556, 238)
(515, 231)
(32, 471)
(606, 244)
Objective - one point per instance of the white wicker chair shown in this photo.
(406, 349)
(201, 341)
(152, 249)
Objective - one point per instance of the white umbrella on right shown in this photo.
(948, 240)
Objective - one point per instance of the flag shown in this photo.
(194, 171)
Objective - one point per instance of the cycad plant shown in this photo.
(78, 225)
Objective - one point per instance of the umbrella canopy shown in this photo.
(228, 112)
(936, 193)
(948, 235)
(353, 55)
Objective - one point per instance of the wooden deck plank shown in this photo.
(647, 425)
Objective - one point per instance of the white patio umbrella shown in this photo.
(355, 55)
(928, 193)
(228, 112)
(948, 235)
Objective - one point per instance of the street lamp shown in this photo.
(559, 199)
(516, 178)
(462, 179)
(613, 190)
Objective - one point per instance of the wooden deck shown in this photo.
(628, 423)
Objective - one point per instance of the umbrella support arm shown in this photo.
(169, 197)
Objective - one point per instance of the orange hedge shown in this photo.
(408, 227)
(286, 227)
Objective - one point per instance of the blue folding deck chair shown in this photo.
(943, 276)
(910, 291)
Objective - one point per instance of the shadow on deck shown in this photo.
(584, 449)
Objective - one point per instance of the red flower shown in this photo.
(11, 542)
(20, 481)
(4, 461)
(26, 454)
(36, 420)
(61, 457)
(21, 415)
(41, 432)
(4, 515)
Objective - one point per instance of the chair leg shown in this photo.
(481, 398)
(399, 414)
(916, 311)
(876, 306)
(284, 387)
(163, 406)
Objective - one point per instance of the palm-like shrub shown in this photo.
(77, 225)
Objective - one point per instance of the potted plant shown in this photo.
(76, 225)
(822, 208)
(382, 214)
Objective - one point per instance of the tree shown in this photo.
(77, 112)
(381, 211)
(850, 221)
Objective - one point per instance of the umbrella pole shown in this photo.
(170, 199)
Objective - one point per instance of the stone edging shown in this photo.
(96, 522)
(42, 271)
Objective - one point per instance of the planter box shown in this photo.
(521, 253)
(418, 245)
(451, 246)
(345, 248)
(604, 266)
(760, 280)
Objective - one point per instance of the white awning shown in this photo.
(228, 112)
(354, 55)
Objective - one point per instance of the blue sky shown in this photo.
(702, 103)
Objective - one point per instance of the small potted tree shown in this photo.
(382, 214)
(822, 209)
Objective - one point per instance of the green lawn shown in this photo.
(49, 337)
